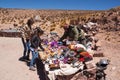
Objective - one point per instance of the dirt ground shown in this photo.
(110, 46)
(11, 68)
(11, 50)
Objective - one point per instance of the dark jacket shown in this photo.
(36, 42)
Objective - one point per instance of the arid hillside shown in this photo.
(53, 19)
(10, 18)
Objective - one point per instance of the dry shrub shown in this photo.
(52, 29)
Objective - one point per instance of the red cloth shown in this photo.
(85, 56)
(81, 59)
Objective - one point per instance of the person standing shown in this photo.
(35, 43)
(26, 33)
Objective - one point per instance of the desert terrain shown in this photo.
(11, 48)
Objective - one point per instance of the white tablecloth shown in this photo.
(65, 69)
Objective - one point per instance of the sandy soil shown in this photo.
(111, 50)
(10, 67)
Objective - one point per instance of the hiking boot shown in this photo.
(32, 68)
(27, 58)
(22, 58)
